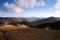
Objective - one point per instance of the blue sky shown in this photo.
(29, 8)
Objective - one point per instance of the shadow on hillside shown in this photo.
(54, 25)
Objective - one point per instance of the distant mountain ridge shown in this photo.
(6, 19)
(32, 19)
(48, 19)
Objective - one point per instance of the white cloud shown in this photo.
(19, 5)
(17, 10)
(57, 5)
(25, 3)
(41, 3)
(57, 8)
(29, 3)
(13, 7)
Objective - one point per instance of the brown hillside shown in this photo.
(29, 34)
